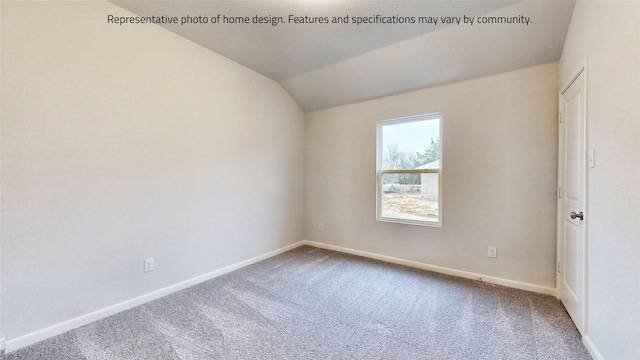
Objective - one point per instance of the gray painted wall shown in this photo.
(499, 170)
(122, 143)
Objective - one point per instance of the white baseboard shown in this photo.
(48, 332)
(57, 329)
(591, 348)
(439, 269)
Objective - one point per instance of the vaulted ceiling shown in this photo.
(326, 65)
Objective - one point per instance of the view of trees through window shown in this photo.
(409, 169)
(396, 159)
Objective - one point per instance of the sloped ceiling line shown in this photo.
(327, 65)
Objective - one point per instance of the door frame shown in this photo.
(582, 70)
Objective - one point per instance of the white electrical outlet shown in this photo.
(149, 264)
(492, 252)
(321, 227)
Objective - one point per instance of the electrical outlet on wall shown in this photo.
(321, 227)
(492, 252)
(149, 264)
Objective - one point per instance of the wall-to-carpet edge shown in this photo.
(42, 334)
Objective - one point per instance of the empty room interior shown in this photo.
(242, 179)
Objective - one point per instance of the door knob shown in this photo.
(579, 215)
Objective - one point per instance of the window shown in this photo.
(409, 170)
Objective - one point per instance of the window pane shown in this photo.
(410, 145)
(410, 196)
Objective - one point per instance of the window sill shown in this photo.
(426, 223)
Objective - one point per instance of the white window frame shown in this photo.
(379, 169)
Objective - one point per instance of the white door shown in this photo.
(572, 161)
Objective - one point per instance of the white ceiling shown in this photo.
(326, 65)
